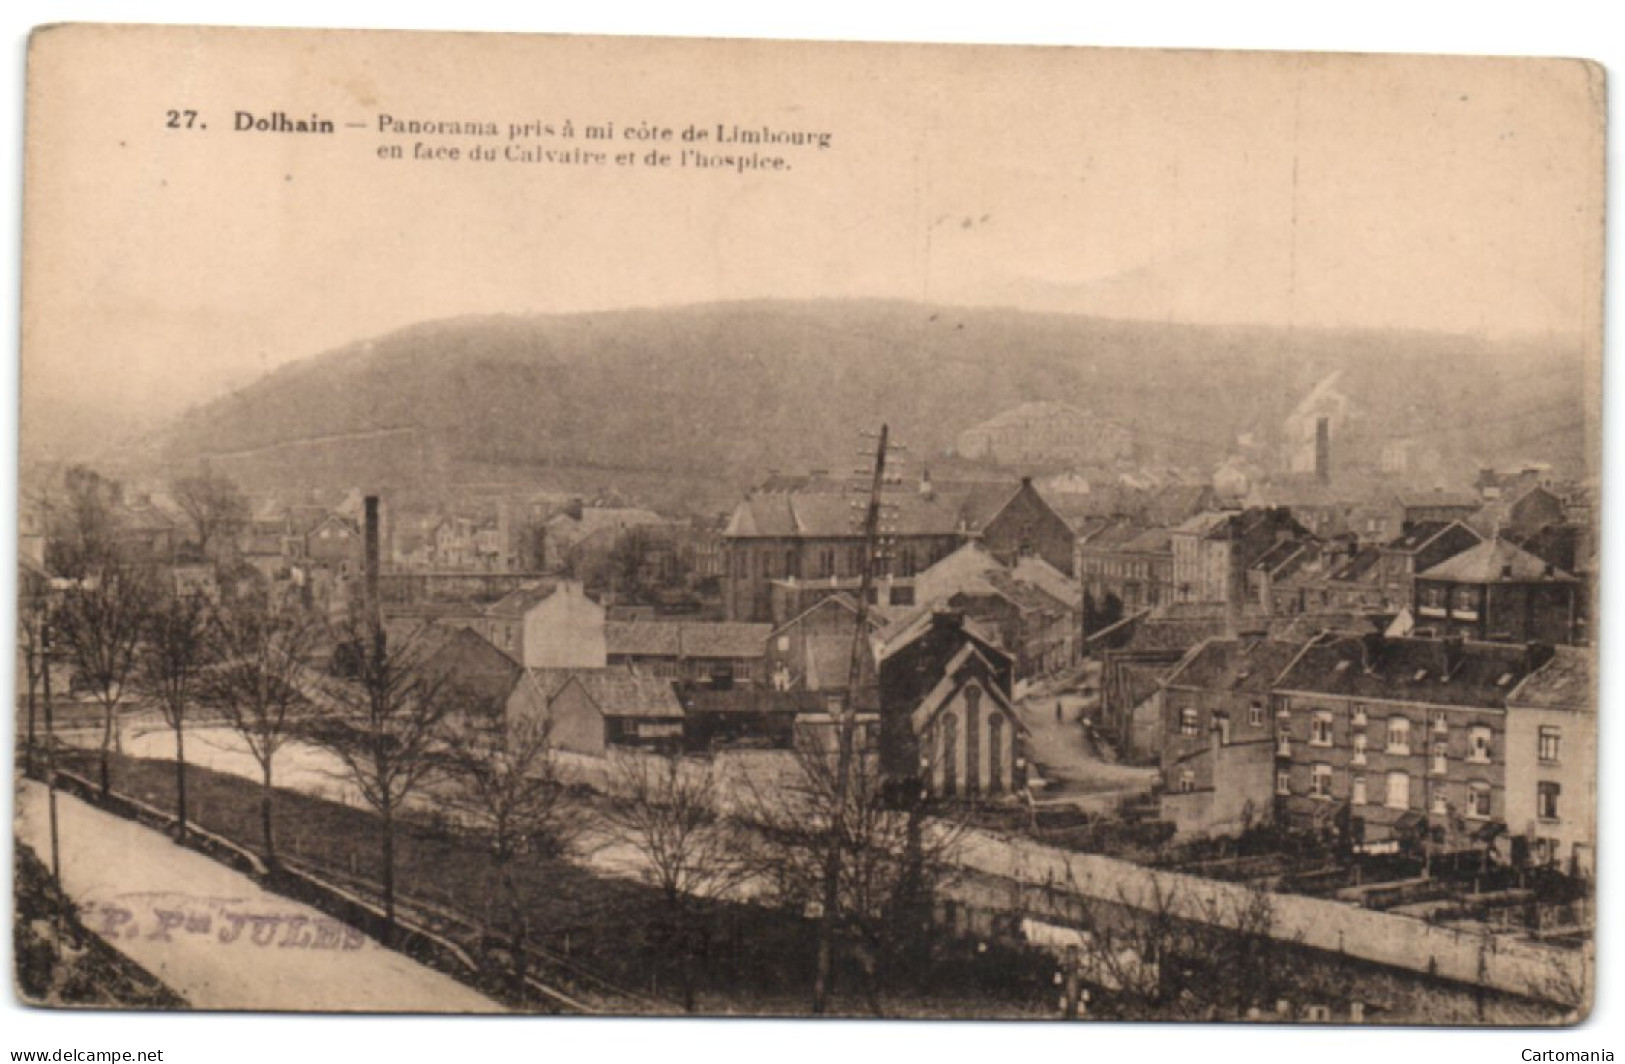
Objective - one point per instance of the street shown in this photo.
(216, 937)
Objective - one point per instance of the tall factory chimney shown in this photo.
(1323, 449)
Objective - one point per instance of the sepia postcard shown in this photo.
(649, 527)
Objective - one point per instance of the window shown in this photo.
(995, 752)
(1187, 781)
(1478, 800)
(1551, 740)
(1399, 735)
(1546, 795)
(1357, 715)
(1255, 714)
(1320, 729)
(1357, 790)
(1283, 781)
(1441, 801)
(1464, 603)
(1478, 745)
(1441, 724)
(1320, 780)
(1441, 760)
(1433, 600)
(1358, 757)
(1187, 722)
(1399, 791)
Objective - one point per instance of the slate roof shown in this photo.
(1495, 562)
(697, 698)
(1115, 535)
(617, 691)
(1026, 596)
(1052, 581)
(1357, 568)
(1568, 681)
(518, 602)
(686, 639)
(1420, 535)
(826, 515)
(1245, 665)
(1411, 670)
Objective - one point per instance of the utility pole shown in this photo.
(844, 736)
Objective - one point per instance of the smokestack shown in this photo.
(1323, 449)
(370, 561)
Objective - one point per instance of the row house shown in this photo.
(1126, 562)
(1392, 733)
(1337, 581)
(1213, 551)
(1219, 742)
(1498, 591)
(1551, 761)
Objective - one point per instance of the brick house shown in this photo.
(911, 661)
(816, 538)
(1498, 591)
(966, 732)
(1377, 736)
(1027, 526)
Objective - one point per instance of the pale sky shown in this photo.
(1444, 194)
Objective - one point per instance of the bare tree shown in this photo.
(81, 524)
(507, 784)
(893, 857)
(170, 669)
(101, 620)
(261, 653)
(1165, 953)
(32, 612)
(666, 811)
(213, 504)
(383, 721)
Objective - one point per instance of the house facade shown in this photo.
(1551, 761)
(1499, 591)
(1380, 737)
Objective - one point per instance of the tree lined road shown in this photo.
(215, 936)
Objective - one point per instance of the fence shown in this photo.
(1531, 969)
